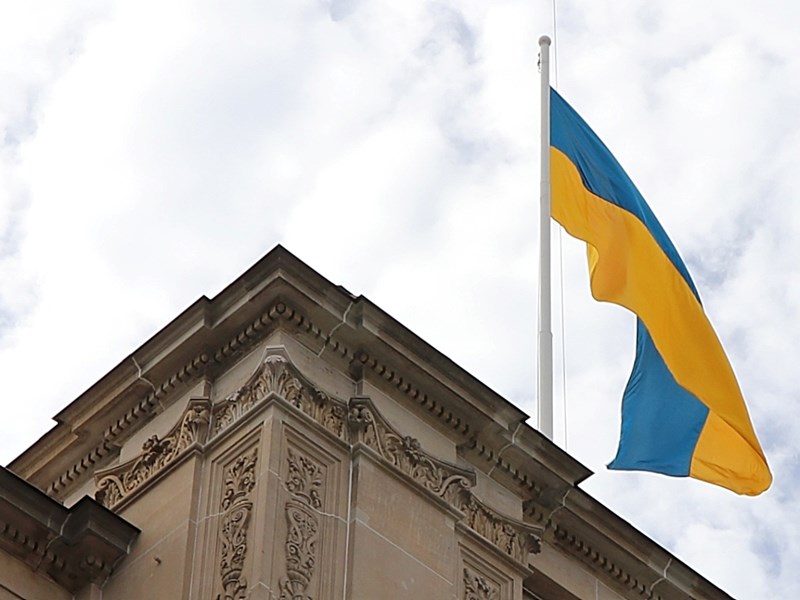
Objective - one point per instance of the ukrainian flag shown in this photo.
(682, 412)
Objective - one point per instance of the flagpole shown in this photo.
(545, 337)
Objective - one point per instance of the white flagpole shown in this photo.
(545, 338)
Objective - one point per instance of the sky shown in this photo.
(150, 152)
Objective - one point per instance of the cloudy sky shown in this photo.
(151, 151)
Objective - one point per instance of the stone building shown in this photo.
(288, 440)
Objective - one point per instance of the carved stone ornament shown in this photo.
(358, 422)
(304, 483)
(236, 507)
(119, 482)
(277, 375)
(515, 538)
(477, 587)
(447, 481)
(443, 479)
(304, 480)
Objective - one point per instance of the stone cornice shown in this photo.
(598, 559)
(202, 365)
(197, 368)
(72, 546)
(141, 409)
(613, 549)
(352, 335)
(357, 423)
(450, 414)
(279, 291)
(396, 379)
(117, 484)
(495, 460)
(216, 360)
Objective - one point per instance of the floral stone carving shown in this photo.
(405, 452)
(119, 482)
(365, 425)
(447, 481)
(277, 375)
(304, 483)
(515, 538)
(477, 587)
(236, 508)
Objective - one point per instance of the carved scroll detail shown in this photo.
(304, 483)
(277, 375)
(405, 452)
(451, 483)
(236, 507)
(477, 587)
(117, 483)
(515, 538)
(304, 480)
(358, 422)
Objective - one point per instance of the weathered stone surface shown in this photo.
(288, 440)
(69, 546)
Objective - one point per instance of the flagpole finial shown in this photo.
(544, 40)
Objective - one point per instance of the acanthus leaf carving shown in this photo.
(405, 452)
(301, 550)
(477, 587)
(304, 480)
(236, 508)
(365, 425)
(515, 538)
(119, 482)
(304, 483)
(277, 375)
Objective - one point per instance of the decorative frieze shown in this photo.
(158, 454)
(356, 423)
(477, 587)
(276, 375)
(515, 538)
(332, 417)
(449, 482)
(140, 410)
(304, 483)
(236, 507)
(405, 452)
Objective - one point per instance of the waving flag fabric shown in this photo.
(682, 411)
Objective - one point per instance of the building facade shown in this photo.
(288, 440)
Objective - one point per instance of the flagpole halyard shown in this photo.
(545, 334)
